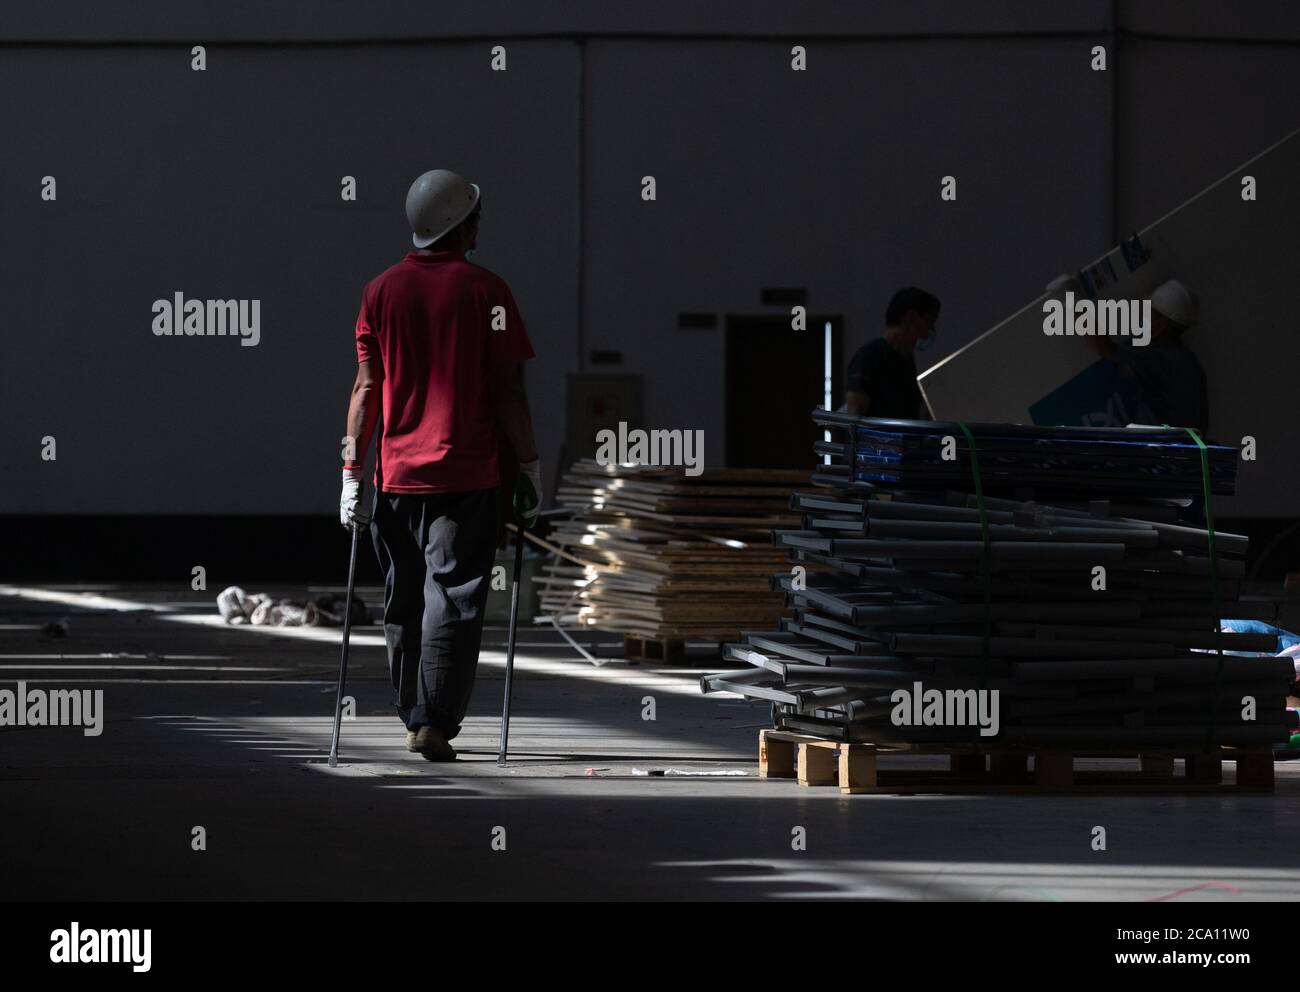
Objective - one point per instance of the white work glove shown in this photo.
(528, 491)
(351, 512)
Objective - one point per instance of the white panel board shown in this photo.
(1240, 257)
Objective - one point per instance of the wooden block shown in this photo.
(775, 756)
(1162, 764)
(653, 649)
(1054, 769)
(966, 764)
(1255, 769)
(668, 650)
(857, 768)
(1009, 766)
(817, 763)
(1204, 768)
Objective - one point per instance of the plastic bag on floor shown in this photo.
(1286, 640)
(237, 606)
(258, 609)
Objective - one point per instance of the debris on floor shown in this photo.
(258, 609)
(55, 629)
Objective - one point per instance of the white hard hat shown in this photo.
(437, 202)
(1176, 302)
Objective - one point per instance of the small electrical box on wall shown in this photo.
(596, 401)
(696, 321)
(774, 296)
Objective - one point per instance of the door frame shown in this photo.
(816, 323)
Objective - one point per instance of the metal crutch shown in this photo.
(343, 661)
(510, 642)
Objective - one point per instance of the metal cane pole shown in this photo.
(510, 642)
(343, 661)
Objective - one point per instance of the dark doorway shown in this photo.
(775, 376)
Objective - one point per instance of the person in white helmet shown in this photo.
(1169, 379)
(440, 346)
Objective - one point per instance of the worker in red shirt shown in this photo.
(440, 353)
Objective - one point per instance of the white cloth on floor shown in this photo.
(258, 609)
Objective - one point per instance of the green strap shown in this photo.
(1214, 583)
(986, 560)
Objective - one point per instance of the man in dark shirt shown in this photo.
(882, 375)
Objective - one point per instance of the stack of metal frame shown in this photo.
(1122, 461)
(1093, 610)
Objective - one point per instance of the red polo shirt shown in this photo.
(432, 322)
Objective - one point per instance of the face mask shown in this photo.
(925, 344)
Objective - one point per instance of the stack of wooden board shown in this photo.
(666, 556)
(1096, 620)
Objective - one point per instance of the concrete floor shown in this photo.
(228, 728)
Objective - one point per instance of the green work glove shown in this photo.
(528, 488)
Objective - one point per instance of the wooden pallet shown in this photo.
(670, 650)
(977, 769)
(649, 649)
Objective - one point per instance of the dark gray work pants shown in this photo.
(436, 551)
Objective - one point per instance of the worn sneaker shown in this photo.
(410, 741)
(430, 743)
